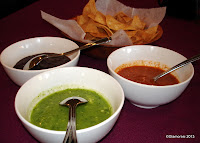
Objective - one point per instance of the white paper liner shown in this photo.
(151, 17)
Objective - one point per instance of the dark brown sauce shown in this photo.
(145, 74)
(45, 64)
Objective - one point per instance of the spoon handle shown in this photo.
(190, 60)
(88, 45)
(70, 136)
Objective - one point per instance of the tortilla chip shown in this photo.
(105, 28)
(131, 33)
(99, 35)
(98, 17)
(88, 36)
(82, 19)
(152, 32)
(123, 18)
(114, 24)
(137, 40)
(90, 27)
(90, 7)
(137, 23)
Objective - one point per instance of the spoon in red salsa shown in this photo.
(192, 59)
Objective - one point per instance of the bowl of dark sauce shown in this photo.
(14, 57)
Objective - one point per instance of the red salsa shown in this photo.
(145, 74)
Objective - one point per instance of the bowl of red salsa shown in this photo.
(135, 66)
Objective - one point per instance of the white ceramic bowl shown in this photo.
(147, 96)
(62, 78)
(19, 50)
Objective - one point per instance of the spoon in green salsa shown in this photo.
(72, 102)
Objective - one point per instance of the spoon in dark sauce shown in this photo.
(192, 59)
(72, 102)
(45, 64)
(35, 61)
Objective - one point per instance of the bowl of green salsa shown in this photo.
(37, 103)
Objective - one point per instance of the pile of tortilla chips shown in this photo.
(97, 25)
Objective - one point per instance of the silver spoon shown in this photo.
(192, 59)
(72, 102)
(39, 58)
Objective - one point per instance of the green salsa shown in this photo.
(49, 114)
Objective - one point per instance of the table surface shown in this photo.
(180, 117)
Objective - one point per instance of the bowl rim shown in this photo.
(145, 85)
(118, 110)
(42, 70)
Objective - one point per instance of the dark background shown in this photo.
(9, 6)
(187, 9)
